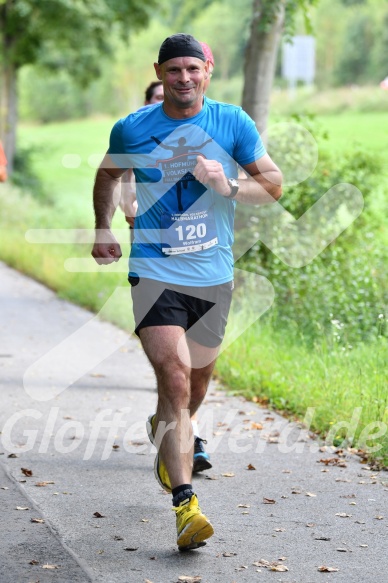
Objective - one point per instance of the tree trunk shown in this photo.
(9, 112)
(8, 95)
(260, 61)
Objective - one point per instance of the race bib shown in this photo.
(188, 232)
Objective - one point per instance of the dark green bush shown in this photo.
(24, 175)
(343, 292)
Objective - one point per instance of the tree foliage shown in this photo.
(59, 34)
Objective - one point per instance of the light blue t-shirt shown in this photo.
(183, 231)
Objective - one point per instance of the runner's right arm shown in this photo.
(106, 248)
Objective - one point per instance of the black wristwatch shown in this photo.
(234, 186)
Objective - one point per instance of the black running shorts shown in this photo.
(201, 311)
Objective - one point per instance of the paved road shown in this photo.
(75, 394)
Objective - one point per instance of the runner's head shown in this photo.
(154, 93)
(183, 68)
(210, 59)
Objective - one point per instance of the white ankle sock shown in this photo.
(195, 427)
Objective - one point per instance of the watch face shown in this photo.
(233, 182)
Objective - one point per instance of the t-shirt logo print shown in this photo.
(176, 170)
(182, 161)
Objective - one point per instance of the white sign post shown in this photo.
(298, 62)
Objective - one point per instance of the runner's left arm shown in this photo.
(262, 185)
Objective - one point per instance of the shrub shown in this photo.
(343, 291)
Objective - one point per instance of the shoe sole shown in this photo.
(195, 532)
(200, 464)
(192, 547)
(156, 462)
(165, 487)
(149, 428)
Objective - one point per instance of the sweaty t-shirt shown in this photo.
(183, 231)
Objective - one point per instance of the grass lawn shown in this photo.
(367, 129)
(278, 369)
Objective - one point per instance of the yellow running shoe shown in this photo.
(160, 469)
(192, 526)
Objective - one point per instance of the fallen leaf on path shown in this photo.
(342, 550)
(12, 455)
(145, 520)
(38, 520)
(22, 508)
(310, 524)
(364, 546)
(117, 537)
(322, 538)
(229, 554)
(243, 505)
(136, 443)
(272, 566)
(43, 484)
(4, 488)
(257, 426)
(261, 563)
(97, 375)
(279, 529)
(269, 501)
(311, 495)
(34, 562)
(115, 446)
(228, 475)
(188, 579)
(26, 472)
(333, 461)
(47, 566)
(98, 515)
(250, 467)
(280, 568)
(131, 548)
(343, 515)
(324, 569)
(379, 517)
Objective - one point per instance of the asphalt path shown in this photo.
(78, 498)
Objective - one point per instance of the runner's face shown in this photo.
(157, 95)
(183, 81)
